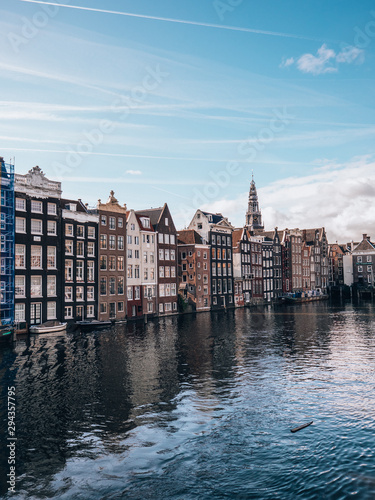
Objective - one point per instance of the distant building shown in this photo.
(141, 266)
(162, 223)
(256, 269)
(38, 263)
(253, 214)
(242, 272)
(7, 243)
(336, 264)
(216, 230)
(112, 259)
(80, 261)
(316, 239)
(363, 256)
(194, 271)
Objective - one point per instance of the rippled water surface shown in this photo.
(199, 407)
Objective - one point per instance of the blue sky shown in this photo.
(182, 110)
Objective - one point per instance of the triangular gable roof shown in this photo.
(189, 237)
(364, 246)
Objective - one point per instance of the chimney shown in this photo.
(364, 236)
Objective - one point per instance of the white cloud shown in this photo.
(325, 61)
(317, 64)
(340, 197)
(134, 172)
(287, 62)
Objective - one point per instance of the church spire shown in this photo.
(253, 214)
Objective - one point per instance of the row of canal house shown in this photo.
(74, 263)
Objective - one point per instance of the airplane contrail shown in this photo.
(180, 21)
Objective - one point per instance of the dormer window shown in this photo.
(71, 206)
(146, 222)
(210, 218)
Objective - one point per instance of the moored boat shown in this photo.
(93, 325)
(48, 327)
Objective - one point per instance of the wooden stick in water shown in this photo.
(300, 427)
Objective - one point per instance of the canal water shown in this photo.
(198, 407)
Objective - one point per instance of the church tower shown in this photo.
(253, 214)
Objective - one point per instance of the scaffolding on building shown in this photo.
(7, 231)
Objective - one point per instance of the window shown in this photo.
(369, 269)
(90, 293)
(173, 272)
(161, 309)
(161, 271)
(91, 232)
(103, 308)
(51, 228)
(130, 271)
(130, 239)
(79, 293)
(166, 221)
(103, 263)
(112, 242)
(161, 290)
(91, 249)
(136, 240)
(51, 257)
(167, 272)
(103, 220)
(120, 263)
(20, 287)
(149, 307)
(130, 253)
(21, 204)
(112, 263)
(145, 257)
(120, 222)
(36, 207)
(173, 289)
(360, 269)
(36, 226)
(51, 209)
(80, 249)
(20, 224)
(173, 255)
(20, 257)
(130, 293)
(168, 307)
(173, 239)
(69, 230)
(68, 293)
(36, 257)
(103, 286)
(120, 307)
(161, 254)
(36, 286)
(90, 311)
(51, 310)
(19, 312)
(161, 239)
(136, 271)
(166, 254)
(103, 242)
(79, 270)
(166, 239)
(145, 274)
(79, 312)
(120, 243)
(112, 223)
(120, 286)
(68, 270)
(175, 306)
(80, 231)
(369, 258)
(152, 258)
(68, 313)
(359, 258)
(137, 293)
(90, 270)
